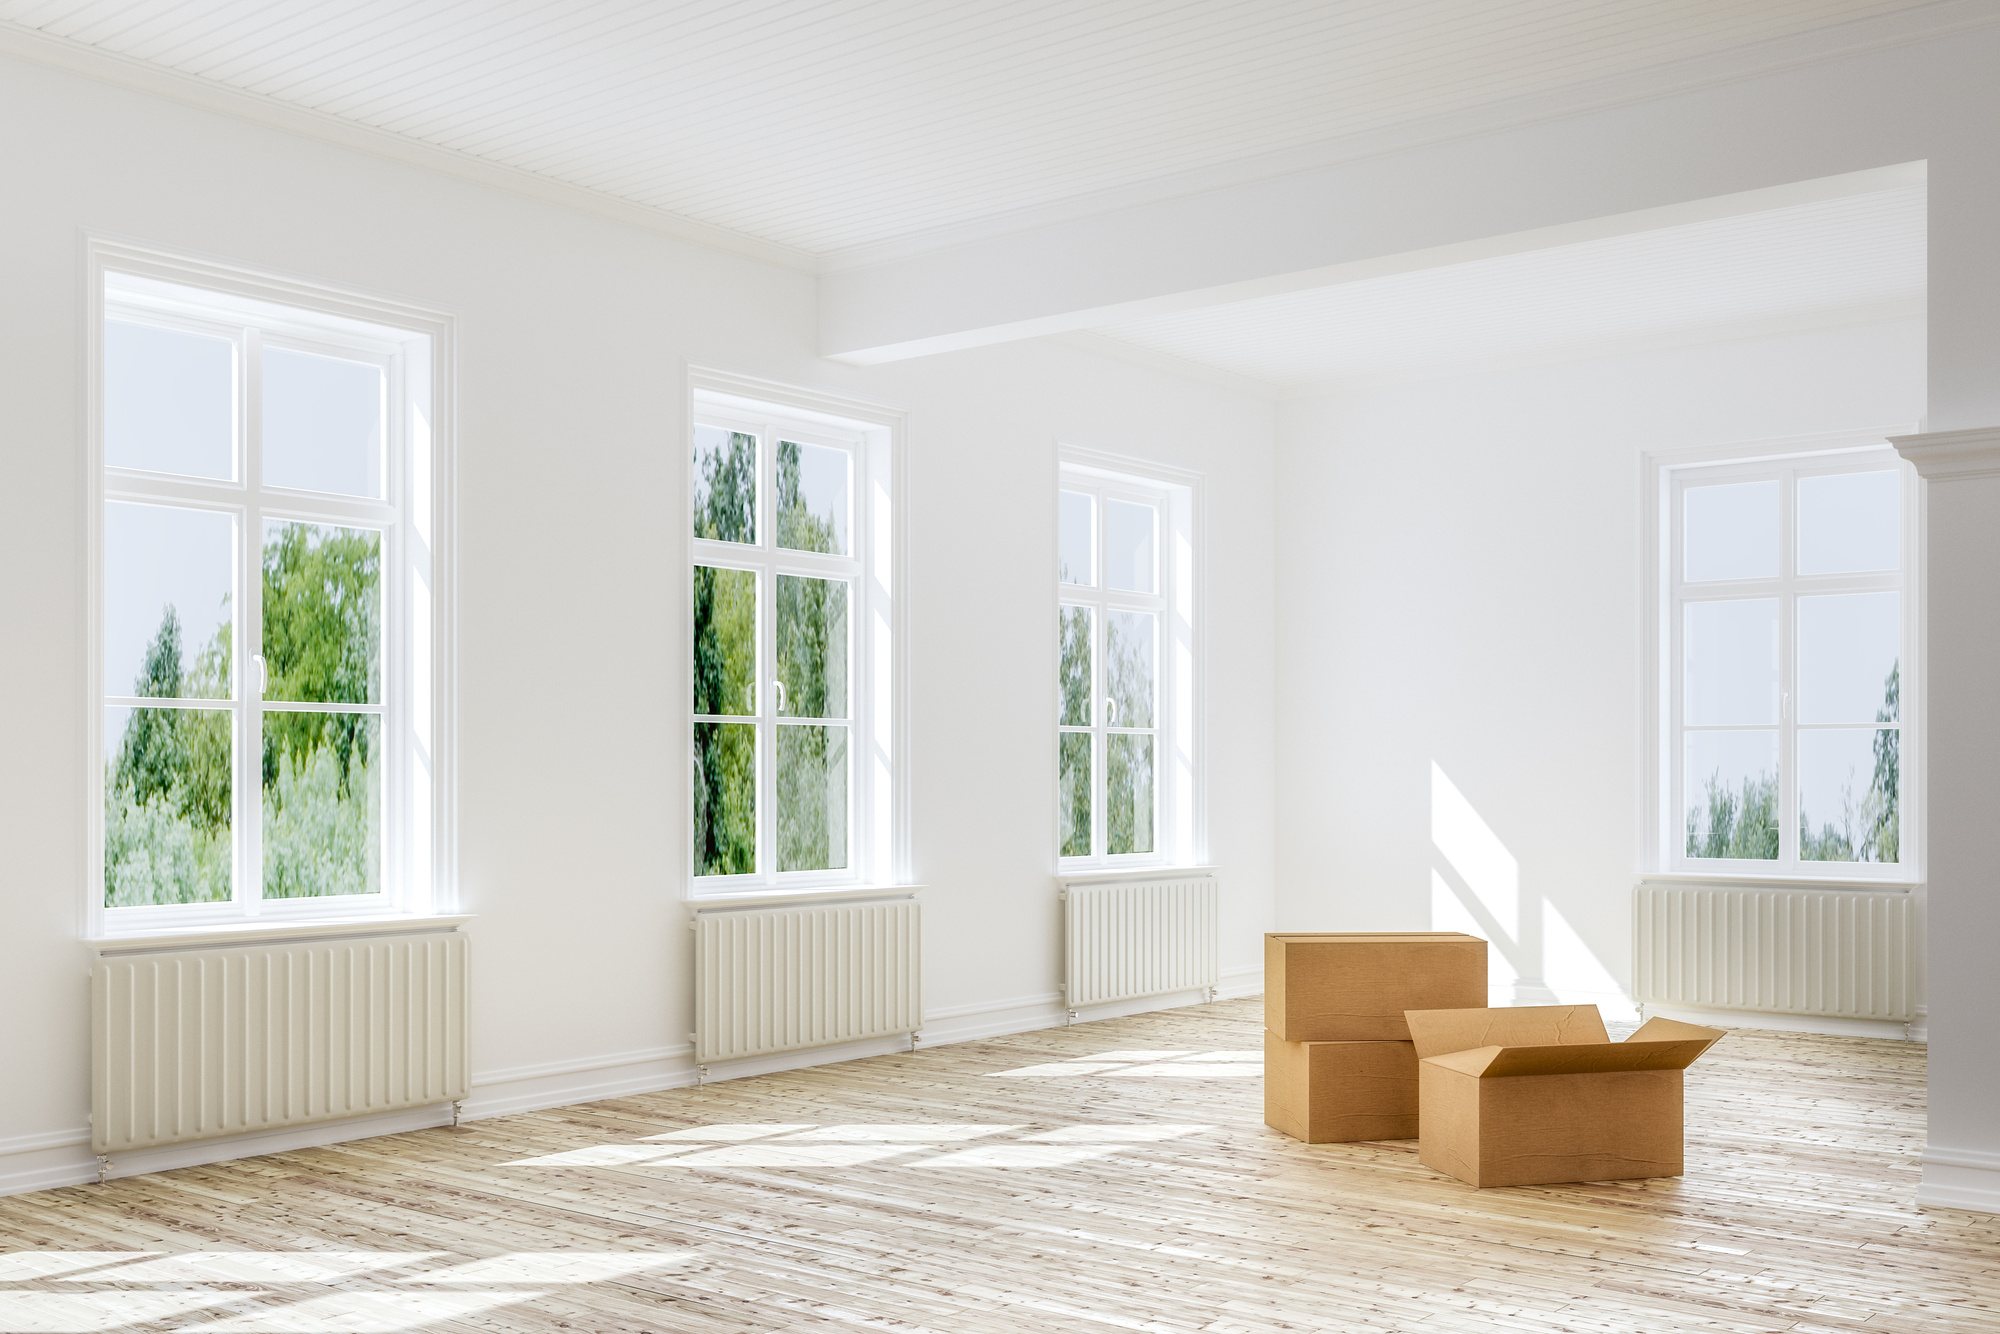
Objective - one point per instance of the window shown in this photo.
(791, 649)
(270, 581)
(1125, 776)
(1786, 666)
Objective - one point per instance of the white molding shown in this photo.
(267, 933)
(142, 76)
(1966, 1179)
(1952, 456)
(789, 898)
(1773, 1021)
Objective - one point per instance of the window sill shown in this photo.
(779, 898)
(267, 933)
(1099, 876)
(1776, 881)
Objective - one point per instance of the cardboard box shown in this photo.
(1355, 987)
(1335, 1092)
(1541, 1094)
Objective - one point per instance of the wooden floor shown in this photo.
(964, 1190)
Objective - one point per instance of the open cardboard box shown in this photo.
(1355, 986)
(1539, 1094)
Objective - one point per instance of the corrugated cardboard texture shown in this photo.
(1544, 1129)
(1355, 987)
(1438, 1032)
(1338, 1092)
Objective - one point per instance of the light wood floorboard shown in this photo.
(935, 1192)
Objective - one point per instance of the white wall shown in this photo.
(1460, 585)
(573, 337)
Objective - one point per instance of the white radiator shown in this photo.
(1845, 954)
(1140, 938)
(190, 1043)
(779, 979)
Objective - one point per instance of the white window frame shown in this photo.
(415, 517)
(878, 796)
(1668, 474)
(1180, 836)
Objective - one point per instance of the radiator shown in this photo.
(1835, 953)
(1140, 938)
(780, 979)
(188, 1044)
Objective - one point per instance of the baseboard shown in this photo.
(63, 1158)
(1790, 1023)
(1960, 1179)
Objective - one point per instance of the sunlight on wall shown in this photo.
(1574, 973)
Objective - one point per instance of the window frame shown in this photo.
(877, 836)
(1180, 795)
(1669, 476)
(414, 517)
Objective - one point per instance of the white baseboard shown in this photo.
(63, 1158)
(1960, 1179)
(1789, 1023)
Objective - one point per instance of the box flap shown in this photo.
(1439, 1032)
(1673, 1030)
(1592, 1058)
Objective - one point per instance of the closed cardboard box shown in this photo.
(1540, 1094)
(1335, 1092)
(1355, 987)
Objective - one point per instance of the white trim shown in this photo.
(1656, 671)
(1966, 1179)
(256, 297)
(786, 898)
(143, 76)
(1952, 456)
(271, 933)
(880, 847)
(1776, 1021)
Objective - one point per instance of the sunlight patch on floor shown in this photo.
(913, 1143)
(1155, 1064)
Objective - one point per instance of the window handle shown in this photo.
(1111, 713)
(263, 674)
(781, 695)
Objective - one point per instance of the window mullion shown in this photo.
(1788, 677)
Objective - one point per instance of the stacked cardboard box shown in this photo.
(1338, 1061)
(1541, 1094)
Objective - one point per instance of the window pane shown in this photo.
(1128, 668)
(812, 647)
(1848, 658)
(1731, 787)
(168, 623)
(1731, 531)
(322, 805)
(812, 798)
(323, 423)
(1850, 521)
(1128, 547)
(1074, 561)
(725, 798)
(1848, 795)
(167, 806)
(725, 641)
(169, 401)
(1732, 661)
(725, 485)
(813, 490)
(1128, 794)
(1073, 673)
(1073, 788)
(322, 613)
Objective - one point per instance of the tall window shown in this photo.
(1787, 646)
(789, 649)
(1124, 672)
(268, 588)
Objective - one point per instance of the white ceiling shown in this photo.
(1861, 257)
(828, 126)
